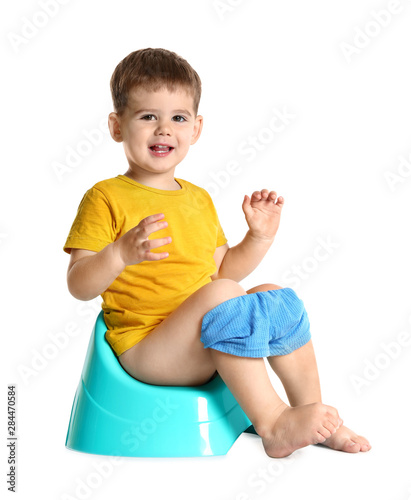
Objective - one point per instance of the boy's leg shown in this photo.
(173, 354)
(282, 429)
(296, 367)
(299, 375)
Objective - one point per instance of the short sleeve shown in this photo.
(94, 225)
(221, 239)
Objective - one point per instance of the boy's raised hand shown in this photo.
(262, 212)
(134, 246)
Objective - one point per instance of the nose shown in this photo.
(163, 127)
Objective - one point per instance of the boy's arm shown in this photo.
(91, 273)
(262, 214)
(237, 262)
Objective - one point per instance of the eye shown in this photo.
(179, 118)
(148, 117)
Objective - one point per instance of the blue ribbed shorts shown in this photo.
(257, 325)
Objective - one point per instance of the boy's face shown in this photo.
(156, 129)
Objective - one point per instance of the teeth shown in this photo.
(159, 146)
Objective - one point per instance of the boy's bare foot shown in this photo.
(346, 440)
(298, 427)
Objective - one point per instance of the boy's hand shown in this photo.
(262, 213)
(134, 246)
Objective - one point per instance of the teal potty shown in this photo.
(115, 414)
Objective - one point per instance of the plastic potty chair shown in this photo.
(115, 414)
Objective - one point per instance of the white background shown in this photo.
(350, 127)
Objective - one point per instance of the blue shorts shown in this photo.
(256, 325)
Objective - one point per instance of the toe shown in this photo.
(320, 438)
(355, 444)
(346, 440)
(364, 443)
(350, 446)
(328, 429)
(324, 433)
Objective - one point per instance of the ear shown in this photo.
(114, 126)
(198, 127)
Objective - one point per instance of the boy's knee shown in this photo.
(264, 288)
(219, 291)
(228, 289)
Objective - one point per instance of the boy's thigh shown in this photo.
(173, 354)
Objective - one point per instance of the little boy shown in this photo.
(177, 315)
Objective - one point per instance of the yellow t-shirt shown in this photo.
(143, 295)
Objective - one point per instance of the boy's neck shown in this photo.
(166, 183)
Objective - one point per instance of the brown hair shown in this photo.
(152, 69)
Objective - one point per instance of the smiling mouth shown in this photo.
(159, 148)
